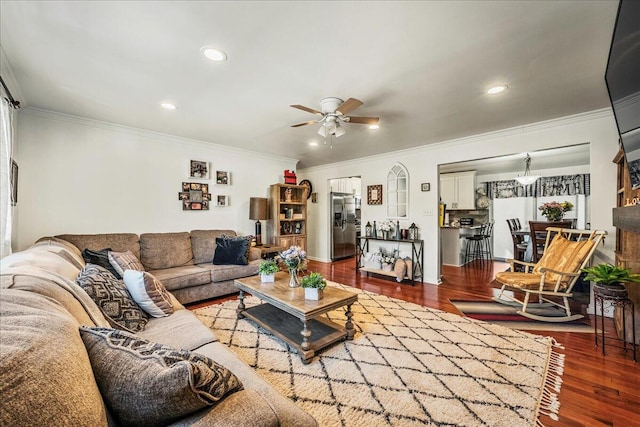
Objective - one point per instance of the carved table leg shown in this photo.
(349, 325)
(241, 305)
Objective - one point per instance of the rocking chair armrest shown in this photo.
(562, 273)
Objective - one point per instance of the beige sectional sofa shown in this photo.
(46, 374)
(181, 261)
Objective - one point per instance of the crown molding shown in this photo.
(145, 133)
(516, 130)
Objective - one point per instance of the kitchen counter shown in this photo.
(453, 243)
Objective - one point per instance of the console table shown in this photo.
(417, 257)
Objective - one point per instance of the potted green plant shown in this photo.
(609, 278)
(313, 285)
(268, 269)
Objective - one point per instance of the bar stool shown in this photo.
(475, 247)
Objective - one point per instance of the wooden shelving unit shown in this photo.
(287, 225)
(626, 219)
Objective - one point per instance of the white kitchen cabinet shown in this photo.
(458, 190)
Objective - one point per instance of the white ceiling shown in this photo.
(422, 67)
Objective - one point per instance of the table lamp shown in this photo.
(258, 211)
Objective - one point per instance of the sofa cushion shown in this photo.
(182, 277)
(45, 374)
(54, 241)
(119, 242)
(148, 292)
(122, 261)
(231, 251)
(100, 257)
(221, 273)
(111, 295)
(165, 250)
(146, 383)
(203, 244)
(180, 330)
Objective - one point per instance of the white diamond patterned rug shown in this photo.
(408, 365)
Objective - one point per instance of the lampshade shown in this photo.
(257, 208)
(527, 178)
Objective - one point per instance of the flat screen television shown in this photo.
(623, 83)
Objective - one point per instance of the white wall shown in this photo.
(597, 128)
(84, 176)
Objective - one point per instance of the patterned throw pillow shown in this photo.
(148, 292)
(161, 385)
(122, 261)
(111, 295)
(100, 258)
(232, 250)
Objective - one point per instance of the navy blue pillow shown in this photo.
(100, 258)
(232, 251)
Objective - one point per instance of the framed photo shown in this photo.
(195, 196)
(14, 183)
(198, 169)
(374, 194)
(222, 200)
(183, 195)
(425, 186)
(223, 178)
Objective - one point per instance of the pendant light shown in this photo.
(527, 178)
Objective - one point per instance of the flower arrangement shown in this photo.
(268, 267)
(387, 257)
(313, 280)
(294, 258)
(387, 226)
(554, 211)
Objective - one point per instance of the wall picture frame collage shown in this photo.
(195, 196)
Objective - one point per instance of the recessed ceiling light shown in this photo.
(496, 89)
(168, 106)
(313, 144)
(213, 54)
(374, 126)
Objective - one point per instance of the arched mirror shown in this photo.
(398, 192)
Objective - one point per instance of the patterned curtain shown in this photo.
(561, 185)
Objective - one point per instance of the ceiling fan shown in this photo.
(334, 111)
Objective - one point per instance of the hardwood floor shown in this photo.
(596, 391)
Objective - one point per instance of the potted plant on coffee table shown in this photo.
(267, 269)
(609, 279)
(313, 285)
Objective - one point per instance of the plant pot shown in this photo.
(387, 267)
(313, 294)
(615, 290)
(267, 278)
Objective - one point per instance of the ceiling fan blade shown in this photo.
(307, 109)
(348, 106)
(363, 120)
(310, 122)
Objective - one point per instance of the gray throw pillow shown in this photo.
(151, 384)
(122, 261)
(111, 295)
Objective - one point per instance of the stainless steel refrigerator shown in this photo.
(343, 216)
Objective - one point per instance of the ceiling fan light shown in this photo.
(322, 131)
(339, 130)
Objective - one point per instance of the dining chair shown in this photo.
(519, 245)
(538, 235)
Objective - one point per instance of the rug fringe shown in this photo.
(549, 404)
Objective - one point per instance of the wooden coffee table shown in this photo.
(286, 314)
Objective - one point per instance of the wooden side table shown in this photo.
(269, 251)
(617, 298)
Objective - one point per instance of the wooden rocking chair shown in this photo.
(553, 276)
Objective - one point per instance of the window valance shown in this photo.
(548, 186)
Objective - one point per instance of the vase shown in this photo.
(553, 217)
(386, 267)
(267, 278)
(313, 294)
(293, 279)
